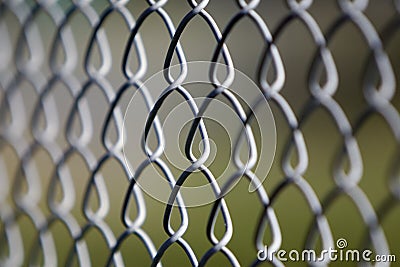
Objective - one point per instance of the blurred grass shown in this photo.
(323, 140)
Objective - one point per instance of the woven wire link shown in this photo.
(28, 132)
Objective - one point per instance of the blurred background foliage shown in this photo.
(322, 137)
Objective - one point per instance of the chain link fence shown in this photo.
(89, 137)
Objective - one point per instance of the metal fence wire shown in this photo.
(70, 70)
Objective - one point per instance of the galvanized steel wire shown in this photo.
(21, 192)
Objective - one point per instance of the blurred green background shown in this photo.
(323, 139)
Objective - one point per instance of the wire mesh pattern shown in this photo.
(43, 63)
